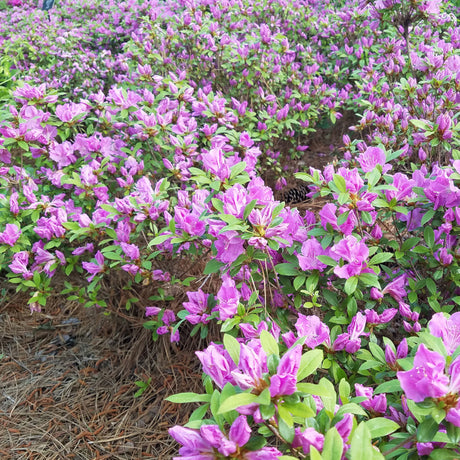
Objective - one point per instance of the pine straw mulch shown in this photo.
(67, 384)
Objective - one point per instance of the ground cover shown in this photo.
(254, 205)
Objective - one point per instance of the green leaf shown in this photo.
(312, 281)
(377, 352)
(444, 454)
(286, 269)
(327, 260)
(299, 410)
(235, 401)
(428, 234)
(333, 445)
(285, 415)
(409, 243)
(315, 389)
(249, 208)
(23, 145)
(427, 217)
(350, 408)
(159, 239)
(431, 286)
(351, 284)
(264, 398)
(188, 398)
(361, 444)
(370, 364)
(299, 281)
(427, 430)
(233, 347)
(344, 390)
(199, 413)
(309, 362)
(380, 258)
(286, 431)
(379, 427)
(237, 169)
(340, 183)
(392, 386)
(112, 256)
(369, 279)
(379, 203)
(421, 124)
(314, 454)
(269, 343)
(213, 266)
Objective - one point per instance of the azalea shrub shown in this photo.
(156, 164)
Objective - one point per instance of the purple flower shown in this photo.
(315, 331)
(228, 297)
(307, 438)
(19, 264)
(427, 378)
(373, 318)
(345, 427)
(215, 162)
(284, 382)
(193, 445)
(10, 235)
(95, 268)
(350, 340)
(131, 250)
(67, 112)
(355, 253)
(229, 246)
(376, 404)
(209, 441)
(446, 328)
(401, 352)
(397, 288)
(371, 157)
(63, 154)
(235, 200)
(308, 258)
(152, 311)
(217, 364)
(197, 307)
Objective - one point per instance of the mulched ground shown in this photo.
(67, 386)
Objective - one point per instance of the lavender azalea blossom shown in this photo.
(355, 253)
(376, 404)
(284, 382)
(229, 246)
(197, 307)
(228, 296)
(372, 157)
(218, 364)
(307, 438)
(350, 340)
(95, 268)
(210, 443)
(308, 258)
(20, 263)
(446, 328)
(315, 331)
(10, 235)
(428, 379)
